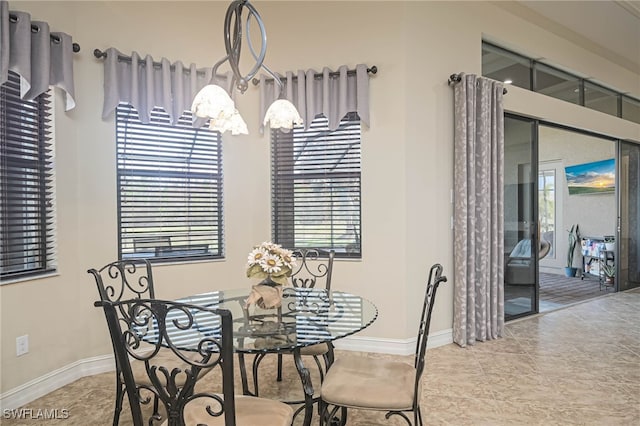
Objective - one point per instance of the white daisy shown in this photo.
(268, 245)
(271, 264)
(256, 256)
(287, 257)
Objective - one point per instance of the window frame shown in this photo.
(25, 127)
(136, 168)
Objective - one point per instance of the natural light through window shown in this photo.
(547, 207)
(316, 187)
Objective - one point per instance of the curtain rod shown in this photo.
(372, 70)
(35, 29)
(457, 78)
(101, 55)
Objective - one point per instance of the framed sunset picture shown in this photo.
(591, 178)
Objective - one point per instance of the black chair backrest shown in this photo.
(313, 266)
(190, 336)
(124, 279)
(435, 278)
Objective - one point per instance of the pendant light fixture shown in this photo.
(214, 102)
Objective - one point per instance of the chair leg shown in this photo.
(156, 401)
(320, 368)
(119, 398)
(279, 378)
(328, 417)
(343, 416)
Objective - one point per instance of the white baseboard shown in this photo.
(56, 379)
(392, 346)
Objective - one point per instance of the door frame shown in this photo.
(532, 231)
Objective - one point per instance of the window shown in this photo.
(601, 99)
(547, 207)
(503, 65)
(557, 84)
(316, 187)
(169, 188)
(27, 199)
(631, 109)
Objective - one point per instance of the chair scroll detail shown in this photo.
(378, 384)
(124, 279)
(312, 268)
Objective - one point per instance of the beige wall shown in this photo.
(407, 153)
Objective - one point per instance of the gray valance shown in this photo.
(28, 49)
(333, 95)
(147, 84)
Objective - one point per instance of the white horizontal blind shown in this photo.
(27, 197)
(316, 187)
(169, 188)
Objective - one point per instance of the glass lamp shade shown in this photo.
(282, 114)
(214, 103)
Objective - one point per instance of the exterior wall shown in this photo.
(407, 153)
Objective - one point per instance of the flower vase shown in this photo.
(267, 294)
(268, 281)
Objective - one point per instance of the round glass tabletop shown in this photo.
(306, 317)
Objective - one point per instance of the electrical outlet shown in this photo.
(22, 345)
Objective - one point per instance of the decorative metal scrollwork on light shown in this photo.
(214, 102)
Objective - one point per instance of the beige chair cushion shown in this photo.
(250, 411)
(366, 383)
(319, 349)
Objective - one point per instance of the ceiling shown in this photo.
(609, 28)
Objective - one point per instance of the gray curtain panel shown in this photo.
(39, 59)
(479, 210)
(332, 96)
(146, 84)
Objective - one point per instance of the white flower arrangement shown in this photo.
(269, 260)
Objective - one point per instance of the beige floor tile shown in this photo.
(576, 366)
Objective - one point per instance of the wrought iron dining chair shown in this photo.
(185, 341)
(314, 268)
(121, 280)
(379, 384)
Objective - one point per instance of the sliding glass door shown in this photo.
(558, 179)
(628, 266)
(520, 217)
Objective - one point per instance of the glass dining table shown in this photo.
(306, 317)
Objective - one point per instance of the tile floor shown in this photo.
(575, 366)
